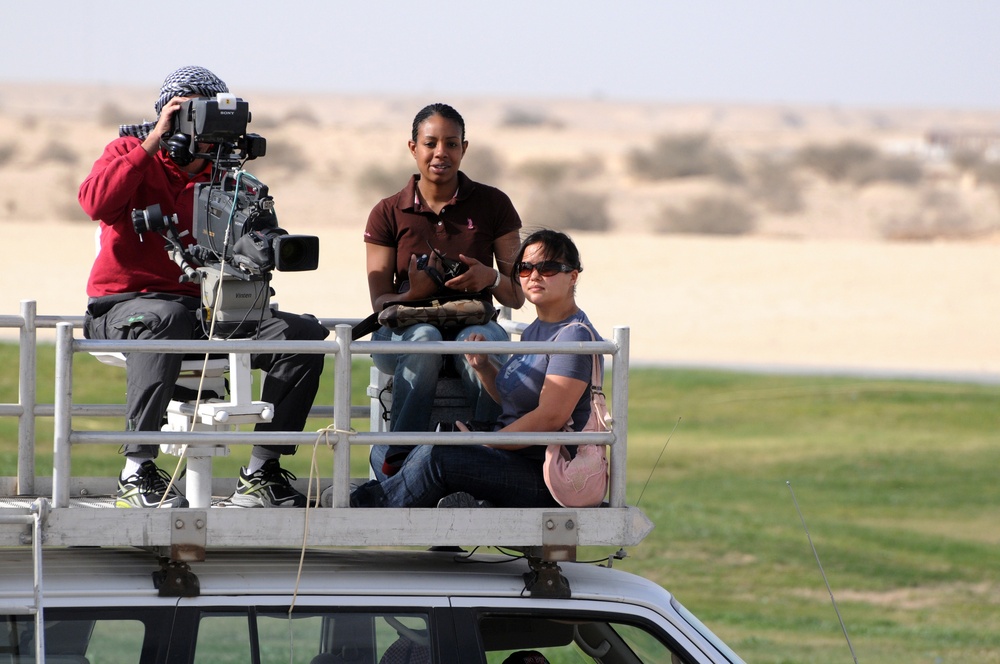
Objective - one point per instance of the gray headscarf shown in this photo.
(185, 82)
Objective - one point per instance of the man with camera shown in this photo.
(136, 291)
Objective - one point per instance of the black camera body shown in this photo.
(242, 207)
(450, 268)
(239, 242)
(220, 123)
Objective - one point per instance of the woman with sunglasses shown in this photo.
(536, 392)
(439, 212)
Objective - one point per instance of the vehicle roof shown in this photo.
(70, 572)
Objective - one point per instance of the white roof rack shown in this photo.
(71, 510)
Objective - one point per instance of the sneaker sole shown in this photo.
(241, 500)
(458, 500)
(126, 504)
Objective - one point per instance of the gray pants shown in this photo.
(291, 383)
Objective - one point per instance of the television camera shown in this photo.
(237, 240)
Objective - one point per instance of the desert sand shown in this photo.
(818, 291)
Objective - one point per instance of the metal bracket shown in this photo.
(546, 580)
(175, 579)
(188, 535)
(560, 536)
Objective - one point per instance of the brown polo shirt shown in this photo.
(469, 224)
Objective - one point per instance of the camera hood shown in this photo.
(220, 122)
(223, 119)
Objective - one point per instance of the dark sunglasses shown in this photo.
(545, 268)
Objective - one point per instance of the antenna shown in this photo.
(662, 449)
(828, 589)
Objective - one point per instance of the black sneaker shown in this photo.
(462, 499)
(268, 487)
(148, 488)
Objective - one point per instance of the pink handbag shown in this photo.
(581, 481)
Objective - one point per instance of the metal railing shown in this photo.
(339, 435)
(27, 409)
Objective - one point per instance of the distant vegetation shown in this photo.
(483, 163)
(776, 185)
(378, 182)
(57, 152)
(859, 164)
(568, 209)
(285, 156)
(939, 216)
(701, 182)
(8, 150)
(685, 156)
(111, 114)
(708, 215)
(524, 117)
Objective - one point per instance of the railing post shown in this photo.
(27, 395)
(39, 512)
(63, 417)
(619, 411)
(342, 417)
(240, 378)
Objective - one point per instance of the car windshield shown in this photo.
(706, 632)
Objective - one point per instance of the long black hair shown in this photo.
(444, 110)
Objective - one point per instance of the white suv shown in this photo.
(110, 606)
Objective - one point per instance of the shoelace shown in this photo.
(154, 482)
(278, 475)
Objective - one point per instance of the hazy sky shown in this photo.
(941, 53)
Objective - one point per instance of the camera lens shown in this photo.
(290, 253)
(296, 253)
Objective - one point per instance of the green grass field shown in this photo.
(897, 481)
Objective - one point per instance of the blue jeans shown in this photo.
(431, 472)
(415, 378)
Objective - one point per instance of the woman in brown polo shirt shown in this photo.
(440, 208)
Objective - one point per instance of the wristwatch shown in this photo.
(497, 281)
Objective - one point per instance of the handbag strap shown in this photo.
(365, 327)
(596, 378)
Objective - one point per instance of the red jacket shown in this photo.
(123, 179)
